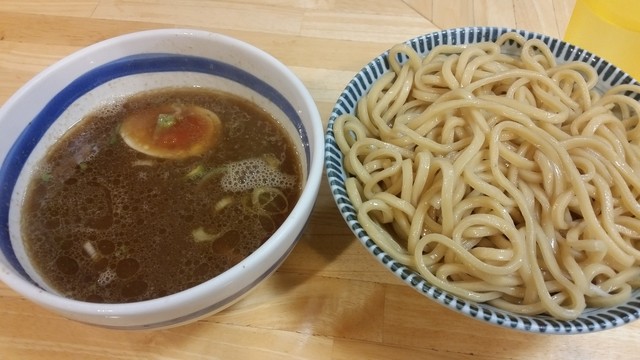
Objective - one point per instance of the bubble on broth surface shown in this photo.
(254, 173)
(134, 288)
(126, 268)
(106, 277)
(111, 108)
(67, 265)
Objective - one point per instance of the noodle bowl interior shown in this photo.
(157, 194)
(500, 176)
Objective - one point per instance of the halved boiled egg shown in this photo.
(172, 131)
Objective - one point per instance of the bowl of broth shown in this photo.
(495, 171)
(155, 178)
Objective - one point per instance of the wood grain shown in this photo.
(330, 299)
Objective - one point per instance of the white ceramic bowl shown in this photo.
(37, 114)
(592, 319)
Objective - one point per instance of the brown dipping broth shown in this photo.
(105, 223)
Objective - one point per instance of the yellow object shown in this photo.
(609, 29)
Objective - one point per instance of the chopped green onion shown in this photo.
(46, 177)
(272, 160)
(269, 201)
(200, 235)
(197, 172)
(115, 135)
(121, 251)
(91, 251)
(166, 120)
(208, 174)
(147, 162)
(223, 203)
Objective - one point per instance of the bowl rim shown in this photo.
(280, 244)
(591, 320)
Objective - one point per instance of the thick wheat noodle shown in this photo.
(500, 176)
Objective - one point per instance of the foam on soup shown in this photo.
(120, 215)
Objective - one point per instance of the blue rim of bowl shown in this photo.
(125, 66)
(591, 320)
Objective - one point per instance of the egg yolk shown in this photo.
(172, 131)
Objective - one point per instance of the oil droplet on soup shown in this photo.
(106, 219)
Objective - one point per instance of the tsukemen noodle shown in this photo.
(158, 193)
(500, 175)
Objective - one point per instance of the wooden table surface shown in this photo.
(330, 299)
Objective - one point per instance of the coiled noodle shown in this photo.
(502, 178)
